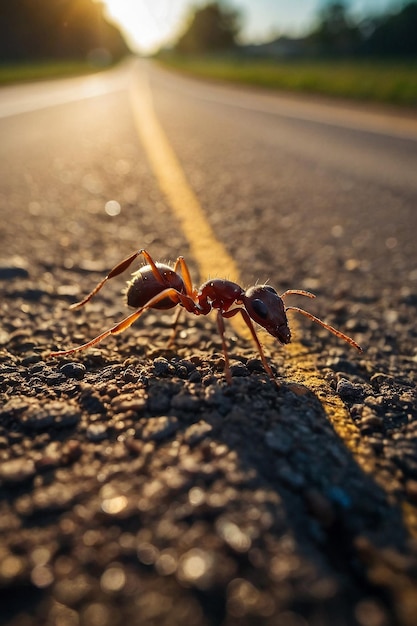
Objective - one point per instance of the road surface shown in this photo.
(136, 485)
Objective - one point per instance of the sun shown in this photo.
(146, 24)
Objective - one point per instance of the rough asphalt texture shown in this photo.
(136, 486)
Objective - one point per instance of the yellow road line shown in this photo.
(210, 255)
(214, 260)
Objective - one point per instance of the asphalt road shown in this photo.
(135, 484)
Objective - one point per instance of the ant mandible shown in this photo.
(160, 286)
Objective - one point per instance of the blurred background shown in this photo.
(232, 34)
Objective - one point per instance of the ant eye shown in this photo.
(269, 288)
(260, 308)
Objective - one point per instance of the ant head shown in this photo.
(266, 308)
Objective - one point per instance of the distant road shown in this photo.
(28, 97)
(378, 142)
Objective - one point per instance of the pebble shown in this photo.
(65, 414)
(128, 402)
(255, 365)
(181, 371)
(197, 432)
(96, 432)
(158, 428)
(348, 390)
(30, 359)
(17, 470)
(130, 376)
(194, 376)
(370, 420)
(54, 379)
(239, 370)
(73, 370)
(162, 366)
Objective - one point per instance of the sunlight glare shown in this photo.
(147, 24)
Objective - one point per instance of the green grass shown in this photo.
(372, 81)
(21, 72)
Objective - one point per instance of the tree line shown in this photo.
(57, 29)
(216, 27)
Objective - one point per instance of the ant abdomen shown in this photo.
(144, 286)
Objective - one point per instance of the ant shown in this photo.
(160, 286)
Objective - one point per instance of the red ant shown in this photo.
(160, 286)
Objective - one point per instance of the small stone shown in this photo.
(54, 379)
(96, 432)
(61, 414)
(255, 365)
(30, 359)
(239, 370)
(181, 371)
(197, 432)
(370, 420)
(158, 428)
(161, 366)
(195, 376)
(17, 470)
(348, 390)
(130, 376)
(73, 370)
(128, 402)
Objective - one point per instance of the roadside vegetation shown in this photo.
(385, 81)
(372, 59)
(20, 72)
(57, 39)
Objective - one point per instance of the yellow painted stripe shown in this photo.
(214, 260)
(210, 255)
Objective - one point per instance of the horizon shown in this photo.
(152, 24)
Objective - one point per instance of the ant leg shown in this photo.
(297, 292)
(220, 325)
(185, 272)
(126, 322)
(333, 330)
(174, 328)
(118, 269)
(249, 324)
(118, 328)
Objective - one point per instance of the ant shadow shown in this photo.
(243, 496)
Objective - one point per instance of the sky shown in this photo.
(150, 24)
